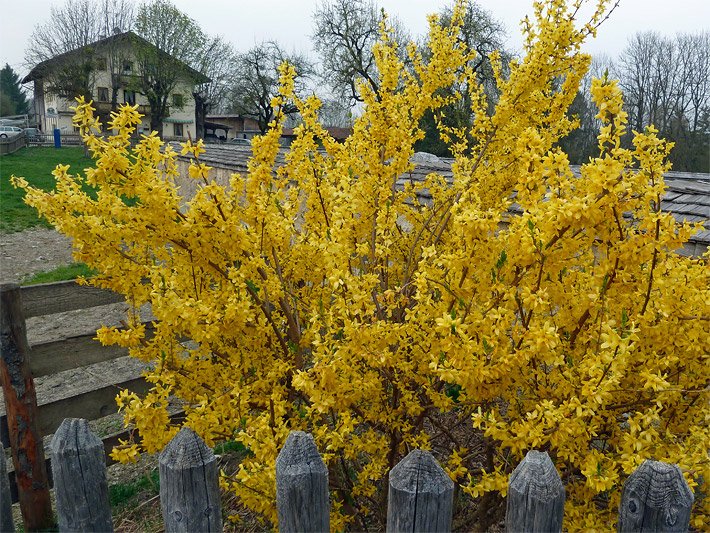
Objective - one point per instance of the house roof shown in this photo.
(335, 132)
(687, 194)
(42, 68)
(226, 116)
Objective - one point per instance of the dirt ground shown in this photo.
(35, 250)
(25, 253)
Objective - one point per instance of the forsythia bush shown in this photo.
(319, 296)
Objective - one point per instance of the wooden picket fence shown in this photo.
(420, 499)
(655, 498)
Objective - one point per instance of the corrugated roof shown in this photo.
(687, 194)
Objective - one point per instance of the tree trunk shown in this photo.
(157, 113)
(200, 114)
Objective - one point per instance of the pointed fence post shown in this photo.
(79, 472)
(421, 495)
(6, 523)
(302, 486)
(536, 496)
(656, 497)
(189, 485)
(21, 409)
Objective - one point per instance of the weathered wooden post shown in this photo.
(421, 495)
(301, 486)
(656, 497)
(79, 472)
(6, 523)
(189, 485)
(536, 496)
(21, 408)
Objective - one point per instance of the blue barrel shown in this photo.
(57, 138)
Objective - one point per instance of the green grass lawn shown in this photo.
(35, 164)
(61, 273)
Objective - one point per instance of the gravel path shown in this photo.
(39, 250)
(35, 250)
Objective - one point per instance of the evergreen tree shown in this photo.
(13, 100)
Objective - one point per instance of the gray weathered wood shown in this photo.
(79, 472)
(57, 356)
(536, 496)
(50, 298)
(21, 407)
(73, 352)
(109, 443)
(189, 486)
(656, 497)
(6, 523)
(90, 405)
(421, 495)
(301, 486)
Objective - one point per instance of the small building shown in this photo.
(53, 105)
(231, 126)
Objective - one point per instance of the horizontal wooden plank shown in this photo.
(50, 298)
(57, 356)
(90, 405)
(53, 357)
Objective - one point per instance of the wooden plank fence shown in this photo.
(9, 145)
(25, 421)
(655, 497)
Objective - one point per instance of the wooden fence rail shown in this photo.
(655, 497)
(9, 145)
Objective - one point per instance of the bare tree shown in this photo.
(66, 37)
(335, 113)
(217, 61)
(665, 81)
(696, 49)
(257, 77)
(344, 34)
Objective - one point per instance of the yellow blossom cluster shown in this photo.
(321, 296)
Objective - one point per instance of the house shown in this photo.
(109, 69)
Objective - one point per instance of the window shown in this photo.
(127, 67)
(103, 94)
(178, 101)
(100, 63)
(177, 130)
(129, 97)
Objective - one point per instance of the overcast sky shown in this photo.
(246, 22)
